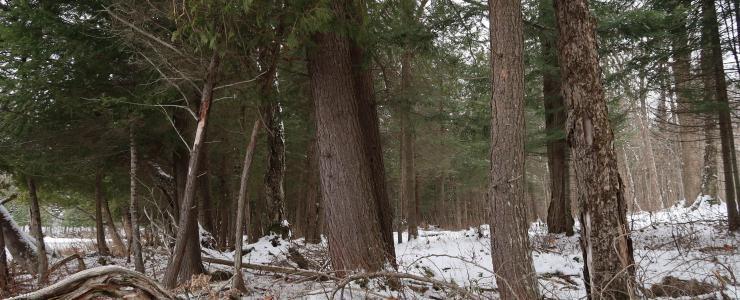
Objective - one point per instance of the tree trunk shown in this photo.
(312, 199)
(205, 207)
(18, 242)
(238, 282)
(346, 175)
(559, 218)
(126, 220)
(187, 221)
(135, 241)
(99, 229)
(35, 228)
(368, 115)
(648, 155)
(275, 170)
(690, 127)
(119, 249)
(714, 79)
(512, 258)
(605, 238)
(3, 265)
(408, 188)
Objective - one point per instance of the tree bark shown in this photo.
(512, 258)
(135, 242)
(187, 222)
(368, 115)
(408, 188)
(605, 238)
(714, 79)
(238, 281)
(690, 128)
(312, 198)
(559, 218)
(3, 265)
(35, 216)
(19, 244)
(119, 248)
(346, 175)
(99, 229)
(205, 207)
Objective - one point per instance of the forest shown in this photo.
(369, 149)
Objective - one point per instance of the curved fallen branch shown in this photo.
(80, 265)
(108, 281)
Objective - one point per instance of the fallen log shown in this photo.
(107, 281)
(273, 269)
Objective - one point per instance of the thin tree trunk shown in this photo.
(346, 175)
(187, 222)
(512, 258)
(312, 206)
(605, 238)
(559, 218)
(3, 265)
(119, 248)
(35, 228)
(126, 220)
(238, 281)
(205, 207)
(408, 189)
(135, 243)
(648, 155)
(99, 229)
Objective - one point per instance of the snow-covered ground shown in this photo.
(688, 243)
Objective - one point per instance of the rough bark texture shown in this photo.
(368, 116)
(35, 216)
(559, 218)
(690, 128)
(310, 217)
(605, 239)
(3, 265)
(512, 258)
(99, 229)
(102, 282)
(346, 175)
(135, 240)
(238, 281)
(275, 170)
(714, 78)
(188, 221)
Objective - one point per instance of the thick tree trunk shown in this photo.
(99, 229)
(135, 240)
(605, 238)
(714, 79)
(690, 127)
(35, 227)
(242, 208)
(559, 218)
(187, 224)
(368, 116)
(512, 258)
(346, 175)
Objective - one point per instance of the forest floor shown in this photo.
(678, 251)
